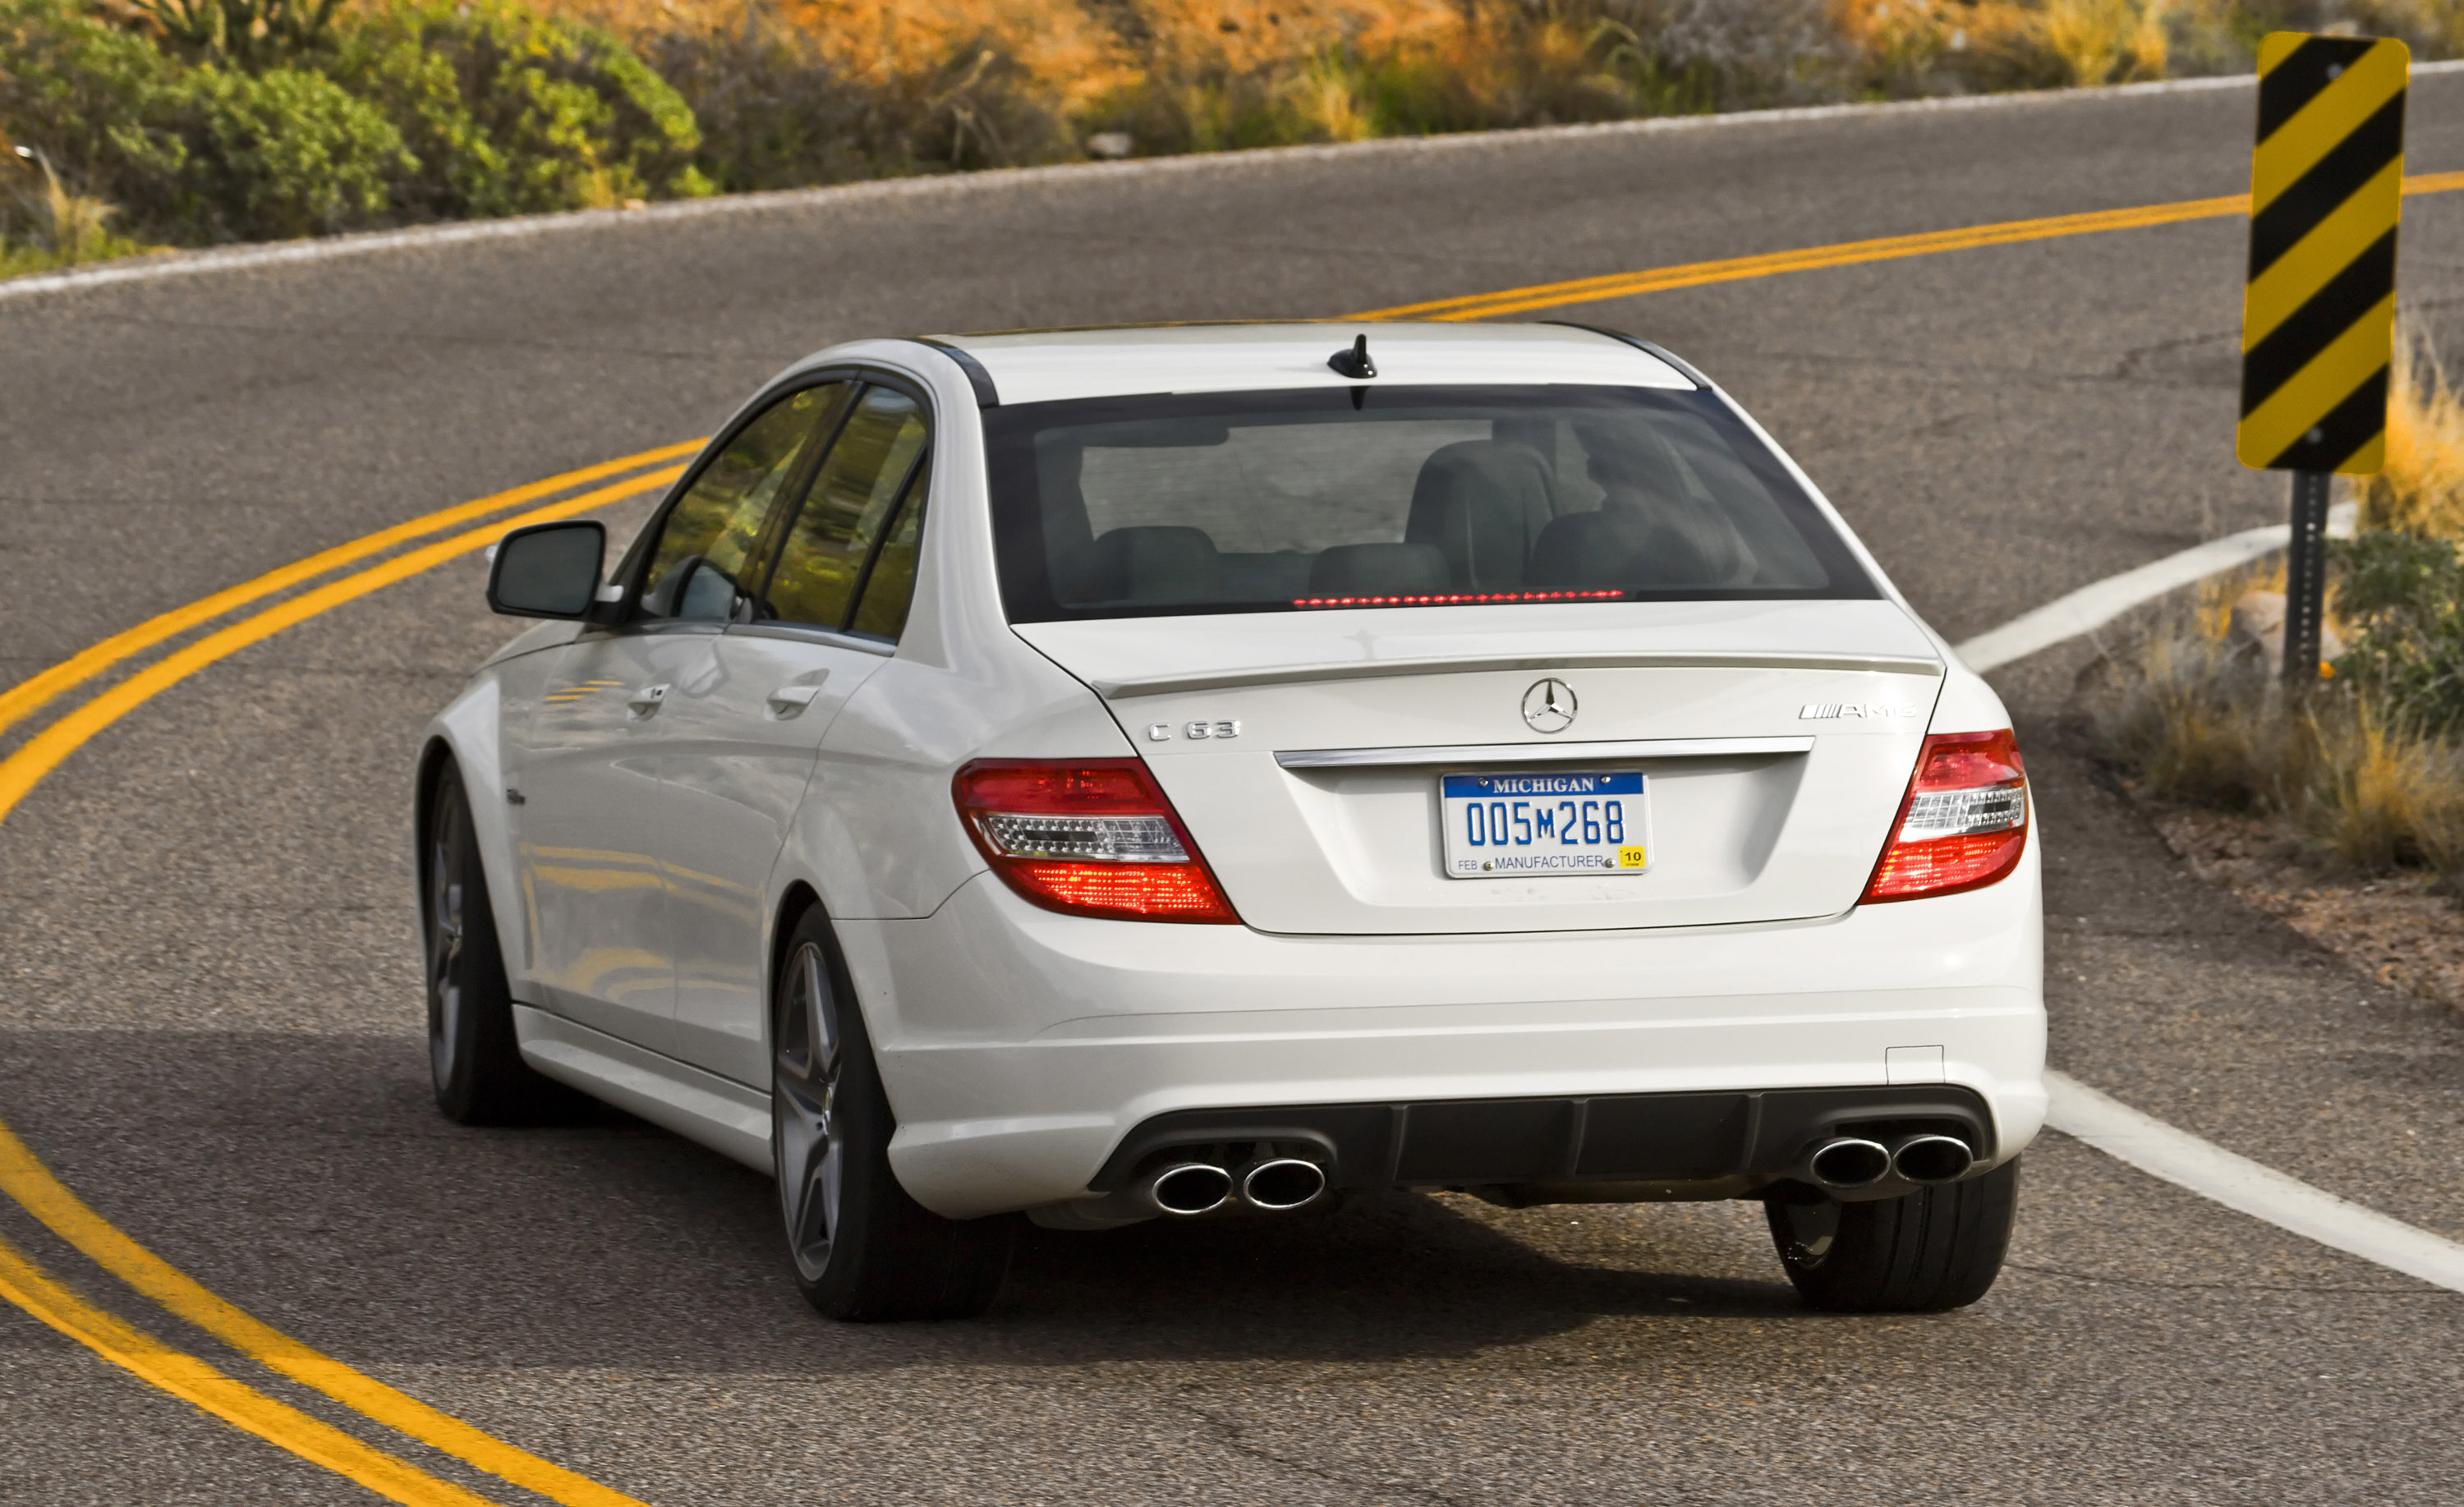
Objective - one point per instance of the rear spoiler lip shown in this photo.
(1382, 669)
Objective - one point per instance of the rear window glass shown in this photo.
(1431, 496)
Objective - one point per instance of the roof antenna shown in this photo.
(1356, 362)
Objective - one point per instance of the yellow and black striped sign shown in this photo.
(2319, 317)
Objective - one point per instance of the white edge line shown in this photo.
(2092, 606)
(2238, 1183)
(234, 258)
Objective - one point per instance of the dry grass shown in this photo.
(43, 224)
(2201, 723)
(2421, 490)
(2106, 41)
(2387, 797)
(905, 85)
(2358, 771)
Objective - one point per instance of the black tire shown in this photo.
(473, 1057)
(1929, 1250)
(859, 1247)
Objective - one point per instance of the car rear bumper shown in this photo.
(1021, 1048)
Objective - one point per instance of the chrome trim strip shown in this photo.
(1379, 669)
(1488, 753)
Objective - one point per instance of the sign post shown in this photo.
(2326, 183)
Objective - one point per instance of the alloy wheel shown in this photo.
(445, 938)
(808, 1136)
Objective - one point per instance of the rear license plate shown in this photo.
(1525, 827)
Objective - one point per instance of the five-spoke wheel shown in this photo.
(807, 1135)
(861, 1248)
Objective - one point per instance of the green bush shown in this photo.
(511, 112)
(2404, 596)
(413, 110)
(192, 151)
(269, 156)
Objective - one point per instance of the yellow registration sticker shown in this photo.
(1630, 857)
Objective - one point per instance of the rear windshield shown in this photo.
(1396, 496)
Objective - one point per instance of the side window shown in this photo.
(822, 561)
(709, 536)
(882, 613)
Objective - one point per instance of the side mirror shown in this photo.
(548, 569)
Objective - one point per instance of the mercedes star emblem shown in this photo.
(1549, 706)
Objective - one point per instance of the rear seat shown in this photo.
(1483, 504)
(1173, 565)
(1156, 564)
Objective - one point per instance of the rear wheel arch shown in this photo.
(860, 1246)
(474, 1049)
(434, 759)
(478, 767)
(800, 899)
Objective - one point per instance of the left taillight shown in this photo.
(1963, 823)
(1088, 837)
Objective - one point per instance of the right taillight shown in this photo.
(1091, 838)
(1964, 823)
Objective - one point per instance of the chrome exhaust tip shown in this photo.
(1190, 1188)
(1282, 1183)
(1849, 1161)
(1927, 1160)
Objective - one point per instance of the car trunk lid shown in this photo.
(1305, 751)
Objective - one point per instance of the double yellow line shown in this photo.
(1849, 253)
(25, 1179)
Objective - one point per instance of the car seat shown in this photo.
(1483, 504)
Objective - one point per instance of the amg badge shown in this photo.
(1822, 710)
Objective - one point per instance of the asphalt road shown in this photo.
(208, 988)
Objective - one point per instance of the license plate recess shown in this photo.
(1561, 823)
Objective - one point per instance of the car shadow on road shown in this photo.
(309, 1180)
(1386, 1276)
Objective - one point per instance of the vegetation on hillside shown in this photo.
(195, 121)
(196, 125)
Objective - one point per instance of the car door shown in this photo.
(745, 729)
(596, 896)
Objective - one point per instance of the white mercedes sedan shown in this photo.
(1208, 772)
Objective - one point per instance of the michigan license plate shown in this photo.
(1524, 826)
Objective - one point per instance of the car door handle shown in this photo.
(646, 700)
(788, 700)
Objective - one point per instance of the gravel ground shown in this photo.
(2401, 929)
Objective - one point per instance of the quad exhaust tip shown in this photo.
(1849, 1161)
(1274, 1185)
(1282, 1183)
(1190, 1188)
(1927, 1160)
